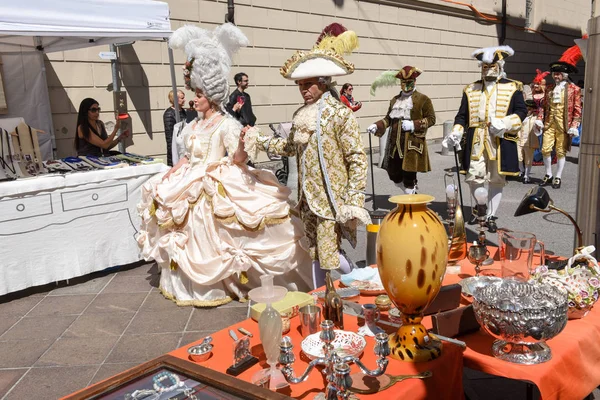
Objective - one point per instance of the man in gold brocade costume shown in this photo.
(325, 139)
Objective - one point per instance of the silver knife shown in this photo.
(233, 335)
(356, 310)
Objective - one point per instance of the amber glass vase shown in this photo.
(412, 252)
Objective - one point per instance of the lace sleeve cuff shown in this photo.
(251, 145)
(348, 213)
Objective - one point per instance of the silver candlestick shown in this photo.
(337, 369)
(451, 203)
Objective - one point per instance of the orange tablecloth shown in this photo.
(573, 372)
(446, 382)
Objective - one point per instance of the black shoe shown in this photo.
(556, 183)
(526, 180)
(546, 181)
(491, 224)
(520, 177)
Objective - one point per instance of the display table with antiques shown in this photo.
(575, 353)
(575, 356)
(407, 327)
(64, 225)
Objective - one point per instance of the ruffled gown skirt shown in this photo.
(214, 229)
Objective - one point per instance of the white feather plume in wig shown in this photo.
(211, 53)
(492, 54)
(385, 79)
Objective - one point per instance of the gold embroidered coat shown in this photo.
(332, 166)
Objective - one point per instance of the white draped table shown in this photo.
(59, 227)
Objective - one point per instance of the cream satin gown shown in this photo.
(214, 227)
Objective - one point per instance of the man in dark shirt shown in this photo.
(240, 104)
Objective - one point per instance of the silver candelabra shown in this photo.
(337, 369)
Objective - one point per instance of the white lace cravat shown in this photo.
(402, 106)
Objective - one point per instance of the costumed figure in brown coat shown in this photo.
(562, 114)
(409, 116)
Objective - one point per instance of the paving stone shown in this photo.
(100, 324)
(61, 305)
(89, 285)
(215, 319)
(7, 321)
(108, 370)
(128, 284)
(51, 383)
(77, 351)
(157, 302)
(22, 353)
(116, 302)
(19, 306)
(160, 321)
(34, 328)
(8, 377)
(141, 348)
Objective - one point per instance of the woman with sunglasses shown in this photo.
(347, 99)
(91, 138)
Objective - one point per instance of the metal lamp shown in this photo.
(538, 199)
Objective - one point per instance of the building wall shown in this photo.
(434, 35)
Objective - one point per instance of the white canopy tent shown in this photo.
(29, 29)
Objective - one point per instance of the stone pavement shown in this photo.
(59, 338)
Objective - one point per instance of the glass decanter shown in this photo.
(270, 331)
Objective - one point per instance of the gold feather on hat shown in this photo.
(345, 43)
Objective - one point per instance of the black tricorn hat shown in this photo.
(561, 66)
(568, 61)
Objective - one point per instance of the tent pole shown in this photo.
(38, 42)
(174, 84)
(115, 83)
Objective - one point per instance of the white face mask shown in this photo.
(490, 72)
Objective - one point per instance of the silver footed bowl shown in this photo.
(522, 316)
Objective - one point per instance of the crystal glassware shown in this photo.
(270, 330)
(521, 316)
(477, 254)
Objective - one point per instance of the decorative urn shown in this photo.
(412, 253)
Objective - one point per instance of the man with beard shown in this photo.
(409, 115)
(562, 115)
(326, 142)
(240, 103)
(491, 112)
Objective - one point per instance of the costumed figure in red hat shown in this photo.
(409, 116)
(490, 114)
(326, 141)
(562, 115)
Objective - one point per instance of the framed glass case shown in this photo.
(168, 377)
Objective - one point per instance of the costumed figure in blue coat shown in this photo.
(490, 116)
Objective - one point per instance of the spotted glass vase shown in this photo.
(411, 258)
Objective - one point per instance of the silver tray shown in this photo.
(345, 293)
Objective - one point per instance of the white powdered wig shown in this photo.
(487, 54)
(212, 52)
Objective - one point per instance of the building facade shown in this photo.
(438, 36)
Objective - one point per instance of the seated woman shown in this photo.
(91, 138)
(213, 224)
